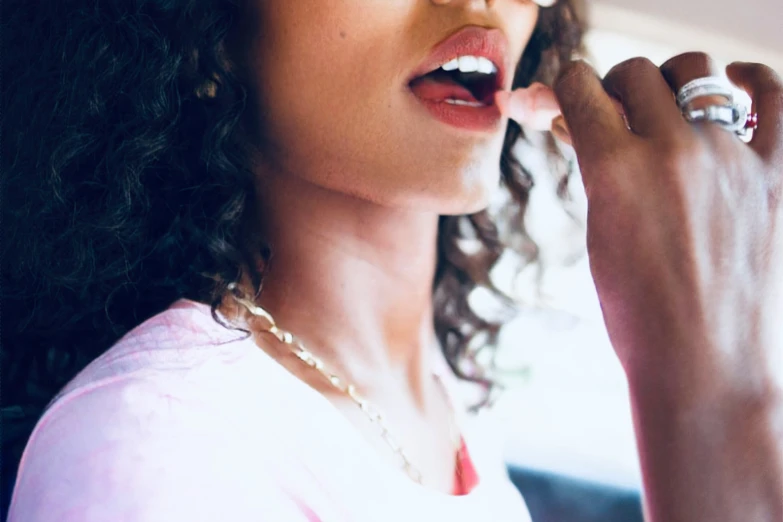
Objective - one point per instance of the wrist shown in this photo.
(704, 399)
(711, 451)
(687, 370)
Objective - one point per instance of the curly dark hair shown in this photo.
(126, 185)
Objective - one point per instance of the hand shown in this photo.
(685, 241)
(685, 226)
(536, 108)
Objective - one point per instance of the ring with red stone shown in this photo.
(734, 116)
(752, 122)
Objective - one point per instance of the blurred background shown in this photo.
(567, 424)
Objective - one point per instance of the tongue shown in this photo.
(438, 89)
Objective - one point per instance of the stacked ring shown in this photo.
(732, 116)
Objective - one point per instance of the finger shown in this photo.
(620, 109)
(765, 87)
(595, 127)
(556, 122)
(647, 100)
(687, 67)
(560, 130)
(534, 107)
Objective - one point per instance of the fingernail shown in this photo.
(560, 123)
(543, 102)
(502, 99)
(518, 106)
(560, 130)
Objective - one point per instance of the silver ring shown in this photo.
(732, 116)
(706, 86)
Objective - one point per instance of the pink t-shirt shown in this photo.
(172, 424)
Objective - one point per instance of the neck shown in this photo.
(352, 279)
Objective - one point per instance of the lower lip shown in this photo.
(483, 119)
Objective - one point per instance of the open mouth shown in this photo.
(467, 80)
(457, 82)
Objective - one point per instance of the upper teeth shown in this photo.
(469, 64)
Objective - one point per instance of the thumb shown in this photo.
(534, 107)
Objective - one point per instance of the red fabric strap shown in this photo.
(466, 477)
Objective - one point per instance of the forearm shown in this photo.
(712, 456)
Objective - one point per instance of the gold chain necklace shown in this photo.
(298, 349)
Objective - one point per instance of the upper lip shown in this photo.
(473, 40)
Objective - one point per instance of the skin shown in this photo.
(330, 84)
(687, 259)
(352, 176)
(685, 252)
(690, 280)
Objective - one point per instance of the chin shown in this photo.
(474, 193)
(475, 177)
(468, 205)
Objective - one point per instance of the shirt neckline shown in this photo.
(388, 473)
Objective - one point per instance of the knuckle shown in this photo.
(771, 92)
(765, 75)
(637, 67)
(685, 67)
(632, 65)
(774, 78)
(572, 74)
(690, 58)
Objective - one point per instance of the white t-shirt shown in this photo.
(164, 427)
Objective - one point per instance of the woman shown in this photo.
(166, 158)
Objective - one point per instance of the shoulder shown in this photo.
(141, 435)
(180, 337)
(140, 450)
